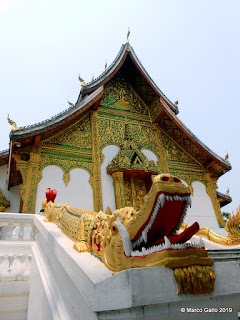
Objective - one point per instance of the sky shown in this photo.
(191, 50)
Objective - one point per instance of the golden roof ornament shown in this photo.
(81, 80)
(108, 211)
(227, 157)
(227, 192)
(128, 34)
(105, 66)
(14, 125)
(93, 77)
(176, 103)
(70, 103)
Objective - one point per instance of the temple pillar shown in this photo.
(211, 187)
(119, 189)
(96, 164)
(162, 162)
(134, 194)
(30, 176)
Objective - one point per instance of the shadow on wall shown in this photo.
(78, 193)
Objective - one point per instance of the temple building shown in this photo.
(115, 245)
(103, 151)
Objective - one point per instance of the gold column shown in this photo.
(134, 195)
(119, 189)
(30, 172)
(161, 151)
(96, 164)
(211, 186)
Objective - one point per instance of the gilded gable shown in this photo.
(76, 136)
(175, 153)
(120, 95)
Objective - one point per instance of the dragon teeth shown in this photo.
(144, 234)
(189, 201)
(167, 242)
(160, 247)
(162, 199)
(127, 243)
(143, 237)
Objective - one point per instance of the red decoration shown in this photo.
(51, 194)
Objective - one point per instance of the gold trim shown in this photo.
(211, 187)
(134, 117)
(195, 279)
(119, 189)
(4, 203)
(96, 163)
(162, 162)
(30, 176)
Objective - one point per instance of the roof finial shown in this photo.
(81, 80)
(93, 77)
(105, 66)
(226, 157)
(176, 103)
(14, 125)
(227, 192)
(128, 34)
(71, 104)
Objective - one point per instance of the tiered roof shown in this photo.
(90, 98)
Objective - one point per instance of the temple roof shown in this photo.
(4, 155)
(175, 128)
(90, 98)
(223, 199)
(127, 59)
(27, 135)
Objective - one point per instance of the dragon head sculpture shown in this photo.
(146, 238)
(149, 237)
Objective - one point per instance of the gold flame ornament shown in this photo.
(128, 34)
(81, 80)
(13, 123)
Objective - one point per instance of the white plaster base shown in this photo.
(145, 293)
(14, 300)
(65, 284)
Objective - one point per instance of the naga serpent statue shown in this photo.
(128, 238)
(231, 226)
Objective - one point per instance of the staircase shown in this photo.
(225, 255)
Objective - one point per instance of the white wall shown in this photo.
(150, 155)
(78, 192)
(108, 194)
(202, 209)
(13, 194)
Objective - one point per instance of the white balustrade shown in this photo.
(15, 267)
(17, 227)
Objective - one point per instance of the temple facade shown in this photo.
(103, 151)
(120, 146)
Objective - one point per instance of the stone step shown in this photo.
(224, 255)
(223, 252)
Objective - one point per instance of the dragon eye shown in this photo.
(177, 180)
(165, 178)
(114, 228)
